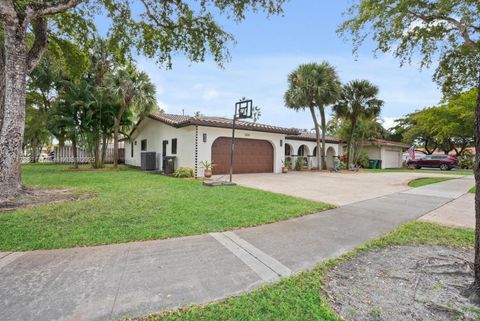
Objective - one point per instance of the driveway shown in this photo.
(334, 188)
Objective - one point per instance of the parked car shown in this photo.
(444, 162)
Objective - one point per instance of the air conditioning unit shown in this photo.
(148, 161)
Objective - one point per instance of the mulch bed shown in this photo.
(31, 197)
(404, 283)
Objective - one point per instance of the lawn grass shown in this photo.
(427, 181)
(300, 298)
(400, 170)
(133, 205)
(473, 190)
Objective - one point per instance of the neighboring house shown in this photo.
(258, 148)
(389, 152)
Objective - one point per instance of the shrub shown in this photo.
(363, 160)
(183, 172)
(466, 160)
(299, 164)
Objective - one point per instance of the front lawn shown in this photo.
(427, 181)
(132, 205)
(301, 297)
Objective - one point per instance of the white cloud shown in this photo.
(210, 94)
(389, 122)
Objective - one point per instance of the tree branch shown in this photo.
(40, 44)
(152, 17)
(51, 7)
(457, 24)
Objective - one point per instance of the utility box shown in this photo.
(148, 161)
(169, 164)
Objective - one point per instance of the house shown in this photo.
(259, 148)
(389, 152)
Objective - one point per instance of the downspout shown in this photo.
(196, 152)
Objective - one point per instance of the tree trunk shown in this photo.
(477, 195)
(116, 126)
(324, 126)
(13, 108)
(104, 149)
(349, 143)
(74, 150)
(317, 134)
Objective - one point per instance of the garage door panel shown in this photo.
(392, 159)
(250, 156)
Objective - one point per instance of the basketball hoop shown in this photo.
(243, 110)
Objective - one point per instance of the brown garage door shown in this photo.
(251, 156)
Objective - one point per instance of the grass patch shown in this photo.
(473, 190)
(427, 181)
(300, 298)
(133, 205)
(400, 170)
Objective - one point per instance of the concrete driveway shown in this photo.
(334, 188)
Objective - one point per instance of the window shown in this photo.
(174, 146)
(143, 144)
(204, 137)
(131, 149)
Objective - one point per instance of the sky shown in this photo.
(268, 49)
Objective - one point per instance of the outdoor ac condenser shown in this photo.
(148, 161)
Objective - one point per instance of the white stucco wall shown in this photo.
(205, 148)
(155, 133)
(295, 145)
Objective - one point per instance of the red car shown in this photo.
(444, 162)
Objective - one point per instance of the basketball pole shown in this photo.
(232, 146)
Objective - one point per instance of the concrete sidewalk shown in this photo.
(110, 282)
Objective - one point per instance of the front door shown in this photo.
(164, 152)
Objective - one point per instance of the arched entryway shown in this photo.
(314, 160)
(250, 156)
(302, 150)
(288, 150)
(330, 157)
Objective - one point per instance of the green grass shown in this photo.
(299, 298)
(473, 190)
(399, 170)
(133, 205)
(427, 181)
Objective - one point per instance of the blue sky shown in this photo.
(267, 49)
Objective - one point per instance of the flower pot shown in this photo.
(284, 170)
(207, 173)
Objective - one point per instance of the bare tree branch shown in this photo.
(40, 44)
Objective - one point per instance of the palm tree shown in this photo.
(358, 100)
(135, 93)
(314, 85)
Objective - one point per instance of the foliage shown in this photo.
(449, 126)
(358, 99)
(466, 160)
(313, 86)
(207, 165)
(183, 172)
(363, 160)
(130, 204)
(299, 161)
(443, 29)
(301, 297)
(36, 134)
(286, 163)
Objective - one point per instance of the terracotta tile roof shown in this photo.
(183, 120)
(313, 137)
(384, 142)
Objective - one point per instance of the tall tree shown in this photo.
(439, 30)
(155, 28)
(314, 86)
(357, 100)
(135, 93)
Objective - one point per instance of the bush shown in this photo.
(299, 163)
(466, 160)
(363, 160)
(183, 172)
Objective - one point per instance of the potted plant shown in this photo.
(286, 165)
(207, 166)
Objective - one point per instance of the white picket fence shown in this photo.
(64, 155)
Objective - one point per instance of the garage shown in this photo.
(392, 159)
(250, 156)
